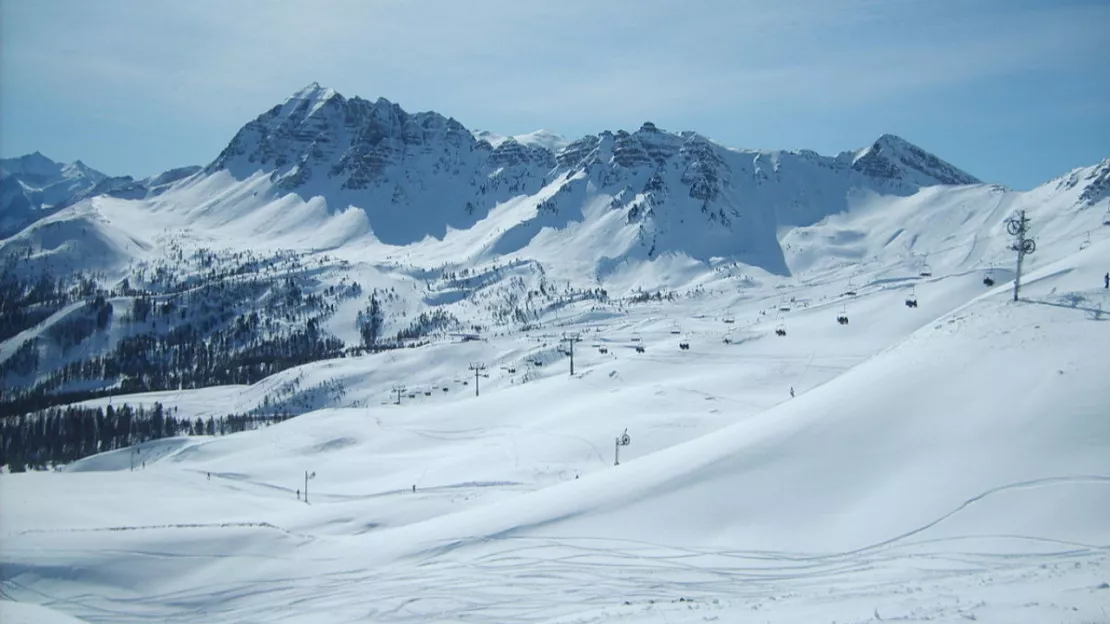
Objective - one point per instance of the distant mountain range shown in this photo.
(33, 187)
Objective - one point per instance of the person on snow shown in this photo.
(792, 392)
(1106, 281)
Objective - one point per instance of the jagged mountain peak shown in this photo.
(895, 159)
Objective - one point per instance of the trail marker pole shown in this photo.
(307, 476)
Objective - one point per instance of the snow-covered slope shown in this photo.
(944, 463)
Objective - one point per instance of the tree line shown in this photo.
(59, 435)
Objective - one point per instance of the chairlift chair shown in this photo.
(780, 329)
(639, 348)
(911, 301)
(926, 271)
(602, 350)
(729, 319)
(685, 346)
(1085, 244)
(842, 318)
(1106, 217)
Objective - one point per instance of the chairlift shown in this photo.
(639, 348)
(926, 271)
(988, 279)
(602, 350)
(780, 329)
(729, 319)
(851, 292)
(1085, 244)
(445, 388)
(427, 393)
(911, 301)
(685, 346)
(842, 318)
(1106, 217)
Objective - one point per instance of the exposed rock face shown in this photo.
(895, 159)
(1096, 183)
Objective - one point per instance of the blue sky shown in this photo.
(1013, 91)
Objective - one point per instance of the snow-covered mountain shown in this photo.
(943, 457)
(458, 229)
(652, 192)
(31, 186)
